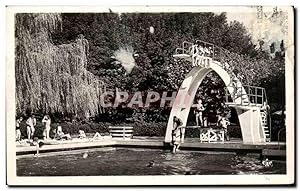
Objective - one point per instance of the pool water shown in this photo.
(121, 161)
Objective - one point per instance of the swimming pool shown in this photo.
(126, 161)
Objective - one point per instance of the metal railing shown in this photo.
(255, 95)
(185, 49)
(278, 136)
(213, 51)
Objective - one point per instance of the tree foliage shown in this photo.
(52, 78)
(155, 69)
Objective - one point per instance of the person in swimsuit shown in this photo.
(224, 122)
(18, 131)
(82, 134)
(47, 122)
(60, 135)
(30, 127)
(177, 126)
(199, 113)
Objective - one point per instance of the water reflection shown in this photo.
(252, 165)
(176, 163)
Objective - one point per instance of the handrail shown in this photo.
(259, 98)
(270, 123)
(280, 130)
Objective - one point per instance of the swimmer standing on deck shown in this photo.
(177, 123)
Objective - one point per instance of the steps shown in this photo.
(264, 124)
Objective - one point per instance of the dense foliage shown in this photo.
(150, 64)
(155, 69)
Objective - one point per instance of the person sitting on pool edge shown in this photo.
(177, 126)
(82, 134)
(60, 135)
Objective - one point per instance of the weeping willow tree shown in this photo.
(52, 78)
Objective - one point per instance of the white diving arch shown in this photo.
(249, 115)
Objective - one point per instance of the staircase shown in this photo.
(242, 96)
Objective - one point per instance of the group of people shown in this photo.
(222, 121)
(30, 127)
(178, 129)
(58, 132)
(200, 55)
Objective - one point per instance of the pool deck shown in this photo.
(271, 149)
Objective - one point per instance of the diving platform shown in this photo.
(184, 56)
(250, 102)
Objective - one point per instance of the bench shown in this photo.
(124, 132)
(211, 135)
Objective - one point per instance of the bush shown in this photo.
(150, 129)
(234, 131)
(140, 129)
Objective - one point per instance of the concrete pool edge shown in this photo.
(268, 150)
(63, 147)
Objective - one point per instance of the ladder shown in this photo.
(264, 123)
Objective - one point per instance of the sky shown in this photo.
(269, 29)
